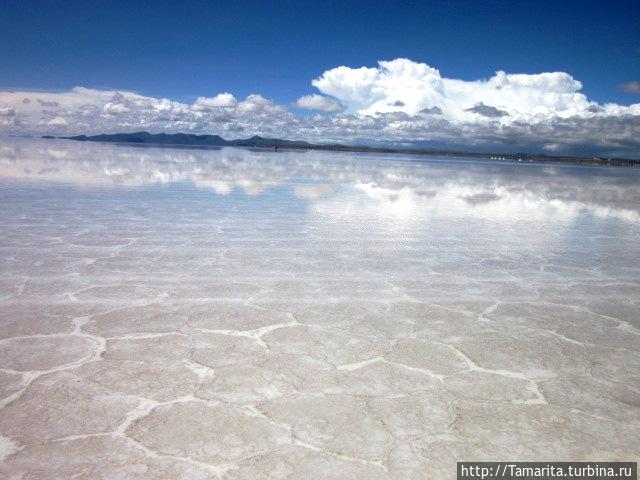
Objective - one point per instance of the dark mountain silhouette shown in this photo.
(156, 138)
(259, 142)
(191, 140)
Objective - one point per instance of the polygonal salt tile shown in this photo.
(533, 354)
(62, 404)
(624, 311)
(208, 433)
(154, 318)
(244, 385)
(432, 456)
(430, 356)
(114, 293)
(214, 350)
(369, 319)
(575, 294)
(163, 348)
(218, 290)
(10, 383)
(234, 316)
(592, 396)
(302, 373)
(157, 381)
(44, 353)
(297, 462)
(361, 428)
(326, 345)
(489, 387)
(380, 379)
(334, 313)
(611, 337)
(464, 304)
(615, 365)
(28, 318)
(545, 316)
(54, 286)
(103, 457)
(528, 432)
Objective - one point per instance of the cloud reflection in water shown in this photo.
(343, 186)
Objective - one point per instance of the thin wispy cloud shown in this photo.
(396, 102)
(630, 87)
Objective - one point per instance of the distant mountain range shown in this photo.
(191, 140)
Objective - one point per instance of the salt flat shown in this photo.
(238, 314)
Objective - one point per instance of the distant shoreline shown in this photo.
(190, 140)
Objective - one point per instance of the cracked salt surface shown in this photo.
(311, 315)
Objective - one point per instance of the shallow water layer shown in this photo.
(239, 314)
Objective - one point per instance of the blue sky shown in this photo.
(190, 52)
(181, 50)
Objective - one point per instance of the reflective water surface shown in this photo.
(181, 313)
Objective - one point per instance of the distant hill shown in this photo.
(155, 138)
(187, 139)
(192, 140)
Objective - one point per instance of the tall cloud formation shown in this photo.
(398, 102)
(409, 87)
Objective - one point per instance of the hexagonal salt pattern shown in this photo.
(242, 314)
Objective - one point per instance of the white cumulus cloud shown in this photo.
(318, 102)
(399, 102)
(402, 85)
(219, 101)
